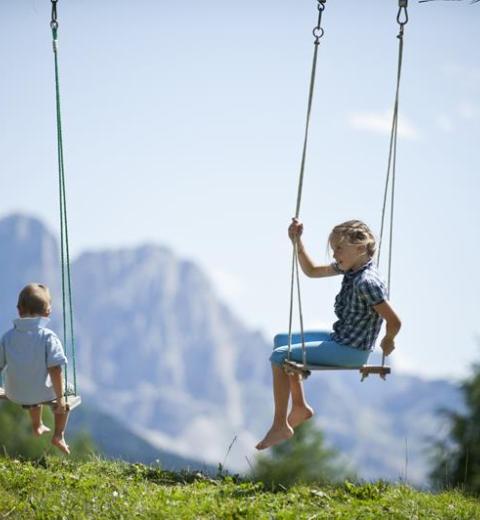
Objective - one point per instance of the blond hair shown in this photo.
(34, 299)
(355, 232)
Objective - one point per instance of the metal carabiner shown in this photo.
(54, 22)
(402, 15)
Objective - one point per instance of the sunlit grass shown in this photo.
(97, 489)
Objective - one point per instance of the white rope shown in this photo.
(295, 278)
(402, 19)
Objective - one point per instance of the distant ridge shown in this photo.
(158, 349)
(115, 441)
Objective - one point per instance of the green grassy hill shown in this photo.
(57, 489)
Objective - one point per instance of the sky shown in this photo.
(183, 126)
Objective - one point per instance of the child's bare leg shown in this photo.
(301, 411)
(58, 438)
(280, 430)
(37, 424)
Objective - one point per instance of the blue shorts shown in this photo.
(321, 350)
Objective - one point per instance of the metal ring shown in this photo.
(318, 32)
(54, 24)
(402, 11)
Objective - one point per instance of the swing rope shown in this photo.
(402, 19)
(318, 32)
(67, 307)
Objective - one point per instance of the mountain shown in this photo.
(156, 341)
(159, 351)
(27, 252)
(115, 441)
(386, 428)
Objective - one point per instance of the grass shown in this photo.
(53, 488)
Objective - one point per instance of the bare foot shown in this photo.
(299, 415)
(60, 443)
(275, 436)
(40, 430)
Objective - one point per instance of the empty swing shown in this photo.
(72, 399)
(304, 369)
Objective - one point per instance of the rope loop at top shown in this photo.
(54, 21)
(402, 16)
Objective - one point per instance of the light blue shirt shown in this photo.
(26, 353)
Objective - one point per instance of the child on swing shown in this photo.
(31, 357)
(360, 306)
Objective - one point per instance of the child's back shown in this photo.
(27, 351)
(31, 357)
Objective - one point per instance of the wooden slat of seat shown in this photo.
(365, 370)
(375, 369)
(72, 400)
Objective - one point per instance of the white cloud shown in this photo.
(465, 75)
(381, 122)
(444, 122)
(468, 110)
(465, 110)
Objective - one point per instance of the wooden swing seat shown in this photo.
(72, 401)
(292, 367)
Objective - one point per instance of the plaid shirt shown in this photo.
(358, 324)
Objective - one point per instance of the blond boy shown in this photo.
(31, 357)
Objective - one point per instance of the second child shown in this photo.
(361, 306)
(31, 357)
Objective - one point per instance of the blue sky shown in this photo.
(183, 126)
